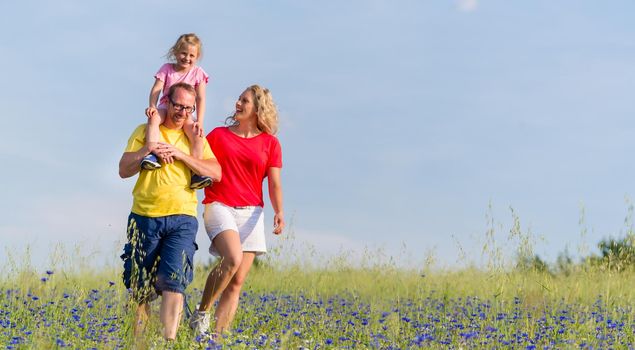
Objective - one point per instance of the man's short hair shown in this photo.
(189, 88)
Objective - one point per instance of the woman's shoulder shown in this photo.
(219, 130)
(269, 140)
(270, 137)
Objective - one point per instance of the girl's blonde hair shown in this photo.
(185, 39)
(266, 112)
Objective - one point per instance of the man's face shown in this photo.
(180, 107)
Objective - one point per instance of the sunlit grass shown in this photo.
(294, 299)
(339, 307)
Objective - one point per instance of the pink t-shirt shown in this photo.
(169, 77)
(244, 162)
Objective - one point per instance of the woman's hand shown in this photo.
(278, 223)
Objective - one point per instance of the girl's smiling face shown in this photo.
(186, 57)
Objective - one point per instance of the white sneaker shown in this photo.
(199, 322)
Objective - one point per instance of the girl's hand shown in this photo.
(278, 223)
(151, 111)
(198, 129)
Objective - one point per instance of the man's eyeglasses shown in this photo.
(178, 107)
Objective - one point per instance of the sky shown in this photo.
(411, 130)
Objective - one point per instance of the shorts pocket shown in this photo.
(127, 264)
(189, 266)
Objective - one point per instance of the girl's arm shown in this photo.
(154, 97)
(200, 108)
(275, 195)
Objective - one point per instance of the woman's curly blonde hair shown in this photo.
(266, 111)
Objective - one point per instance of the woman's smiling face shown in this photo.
(245, 107)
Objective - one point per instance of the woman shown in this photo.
(247, 152)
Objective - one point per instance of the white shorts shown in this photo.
(249, 222)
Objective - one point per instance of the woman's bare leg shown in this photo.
(227, 244)
(228, 303)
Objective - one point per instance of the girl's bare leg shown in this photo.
(153, 135)
(196, 142)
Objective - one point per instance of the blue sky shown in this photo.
(409, 127)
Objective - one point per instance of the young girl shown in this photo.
(184, 54)
(248, 152)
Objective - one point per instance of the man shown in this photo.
(162, 224)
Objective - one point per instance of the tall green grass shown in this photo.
(295, 299)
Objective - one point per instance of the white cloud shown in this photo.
(467, 5)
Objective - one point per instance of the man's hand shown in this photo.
(167, 152)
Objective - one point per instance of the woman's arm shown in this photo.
(275, 196)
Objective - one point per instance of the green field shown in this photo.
(294, 299)
(338, 307)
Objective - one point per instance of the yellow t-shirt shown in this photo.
(165, 191)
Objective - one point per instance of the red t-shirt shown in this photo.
(244, 163)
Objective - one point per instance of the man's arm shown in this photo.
(205, 167)
(130, 162)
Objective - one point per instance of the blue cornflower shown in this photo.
(469, 335)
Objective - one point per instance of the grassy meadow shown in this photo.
(337, 304)
(339, 308)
